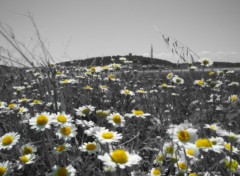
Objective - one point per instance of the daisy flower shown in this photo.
(227, 146)
(90, 147)
(155, 171)
(169, 149)
(230, 135)
(230, 164)
(68, 81)
(8, 140)
(170, 76)
(62, 148)
(182, 134)
(66, 171)
(116, 120)
(67, 131)
(36, 102)
(93, 130)
(12, 106)
(106, 136)
(159, 158)
(141, 91)
(3, 104)
(121, 158)
(88, 87)
(84, 123)
(122, 59)
(26, 159)
(22, 110)
(41, 121)
(104, 88)
(177, 80)
(181, 164)
(127, 92)
(233, 98)
(236, 84)
(200, 82)
(28, 149)
(102, 113)
(206, 144)
(85, 110)
(205, 62)
(138, 113)
(24, 99)
(61, 118)
(192, 68)
(5, 168)
(111, 77)
(213, 126)
(191, 151)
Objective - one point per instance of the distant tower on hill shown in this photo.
(151, 53)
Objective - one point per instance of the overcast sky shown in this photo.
(88, 28)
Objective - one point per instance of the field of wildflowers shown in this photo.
(113, 120)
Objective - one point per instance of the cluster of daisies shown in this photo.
(99, 132)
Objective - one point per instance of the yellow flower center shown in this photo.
(7, 140)
(111, 77)
(24, 99)
(183, 136)
(42, 119)
(170, 75)
(233, 166)
(60, 148)
(205, 62)
(36, 102)
(212, 127)
(103, 87)
(211, 73)
(2, 170)
(203, 143)
(24, 159)
(105, 67)
(116, 119)
(159, 158)
(91, 146)
(10, 106)
(200, 82)
(182, 165)
(62, 171)
(190, 151)
(227, 146)
(86, 111)
(66, 130)
(62, 118)
(126, 91)
(138, 112)
(107, 135)
(27, 150)
(93, 69)
(65, 81)
(164, 85)
(119, 156)
(141, 91)
(234, 98)
(169, 149)
(59, 73)
(21, 110)
(88, 87)
(156, 171)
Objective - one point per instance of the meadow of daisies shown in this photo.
(114, 120)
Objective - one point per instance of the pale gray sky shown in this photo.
(89, 28)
